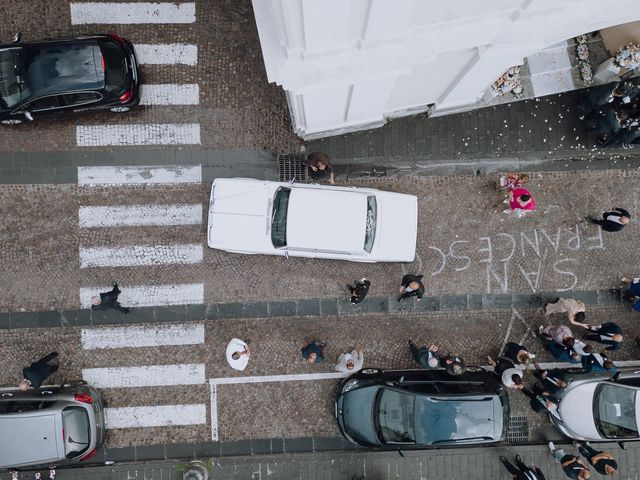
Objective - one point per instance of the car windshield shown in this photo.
(279, 217)
(77, 431)
(614, 411)
(370, 232)
(394, 414)
(13, 88)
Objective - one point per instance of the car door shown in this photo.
(42, 106)
(82, 101)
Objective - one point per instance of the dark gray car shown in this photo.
(48, 427)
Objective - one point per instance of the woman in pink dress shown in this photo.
(520, 202)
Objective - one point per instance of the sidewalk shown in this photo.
(454, 464)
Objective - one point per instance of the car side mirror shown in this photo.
(292, 181)
(17, 37)
(28, 115)
(286, 254)
(400, 452)
(622, 445)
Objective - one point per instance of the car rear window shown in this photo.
(77, 431)
(279, 217)
(114, 66)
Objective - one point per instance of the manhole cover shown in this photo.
(518, 432)
(291, 167)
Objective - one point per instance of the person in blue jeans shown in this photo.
(598, 363)
(313, 351)
(608, 334)
(561, 352)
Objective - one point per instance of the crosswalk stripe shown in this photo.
(156, 416)
(138, 134)
(150, 295)
(147, 376)
(167, 54)
(142, 336)
(139, 175)
(131, 13)
(138, 215)
(139, 255)
(170, 94)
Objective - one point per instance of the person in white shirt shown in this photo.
(238, 353)
(350, 361)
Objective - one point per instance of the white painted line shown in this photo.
(170, 94)
(167, 54)
(149, 376)
(149, 174)
(149, 295)
(156, 416)
(138, 134)
(142, 336)
(214, 413)
(131, 13)
(139, 255)
(137, 215)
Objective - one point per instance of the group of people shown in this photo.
(611, 113)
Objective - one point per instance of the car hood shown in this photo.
(357, 414)
(576, 411)
(396, 233)
(36, 440)
(239, 215)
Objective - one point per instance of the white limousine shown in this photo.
(309, 220)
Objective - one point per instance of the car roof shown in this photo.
(35, 437)
(328, 220)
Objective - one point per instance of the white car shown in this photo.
(309, 220)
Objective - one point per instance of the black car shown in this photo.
(422, 408)
(68, 75)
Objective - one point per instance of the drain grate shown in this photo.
(518, 432)
(291, 166)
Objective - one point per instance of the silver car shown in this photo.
(48, 427)
(600, 407)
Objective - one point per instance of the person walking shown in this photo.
(359, 290)
(608, 333)
(572, 466)
(560, 334)
(541, 401)
(238, 353)
(602, 462)
(553, 381)
(633, 291)
(575, 309)
(612, 221)
(520, 202)
(599, 363)
(518, 354)
(510, 375)
(426, 357)
(562, 353)
(454, 364)
(522, 471)
(611, 94)
(319, 167)
(108, 300)
(35, 374)
(313, 351)
(411, 286)
(350, 361)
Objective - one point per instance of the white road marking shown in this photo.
(214, 382)
(149, 295)
(167, 54)
(170, 94)
(156, 416)
(138, 134)
(149, 376)
(136, 215)
(139, 255)
(131, 13)
(142, 336)
(150, 174)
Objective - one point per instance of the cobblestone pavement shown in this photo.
(464, 245)
(237, 106)
(280, 408)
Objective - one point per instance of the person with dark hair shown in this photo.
(542, 401)
(575, 309)
(510, 375)
(518, 354)
(633, 292)
(572, 466)
(454, 365)
(581, 348)
(612, 221)
(319, 167)
(359, 290)
(611, 94)
(520, 201)
(238, 353)
(35, 374)
(561, 334)
(108, 300)
(553, 381)
(599, 363)
(313, 351)
(608, 333)
(602, 462)
(426, 357)
(562, 353)
(411, 286)
(521, 471)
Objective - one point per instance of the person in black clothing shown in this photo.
(455, 365)
(411, 286)
(518, 354)
(553, 381)
(359, 290)
(573, 467)
(541, 400)
(598, 362)
(319, 167)
(426, 357)
(522, 471)
(35, 374)
(608, 334)
(603, 462)
(612, 221)
(108, 300)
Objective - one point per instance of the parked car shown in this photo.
(422, 408)
(48, 427)
(310, 220)
(49, 77)
(600, 407)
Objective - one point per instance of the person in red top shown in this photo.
(520, 202)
